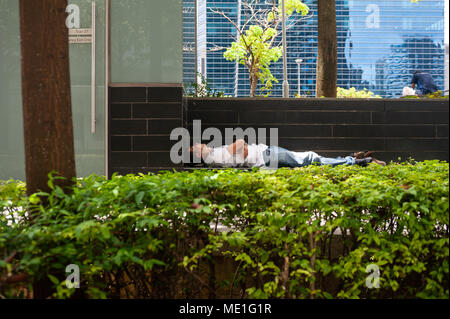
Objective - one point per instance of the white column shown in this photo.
(299, 62)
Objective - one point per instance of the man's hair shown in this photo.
(415, 72)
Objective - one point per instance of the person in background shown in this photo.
(423, 82)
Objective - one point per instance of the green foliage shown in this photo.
(435, 95)
(157, 235)
(352, 93)
(203, 89)
(254, 50)
(292, 6)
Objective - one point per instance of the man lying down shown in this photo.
(240, 154)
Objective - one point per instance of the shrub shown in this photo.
(435, 95)
(203, 89)
(355, 94)
(158, 236)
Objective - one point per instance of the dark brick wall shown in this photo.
(330, 127)
(141, 120)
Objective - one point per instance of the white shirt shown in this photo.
(221, 157)
(255, 155)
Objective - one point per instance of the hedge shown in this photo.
(302, 233)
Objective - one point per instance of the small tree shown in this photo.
(255, 45)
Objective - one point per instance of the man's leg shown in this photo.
(350, 160)
(337, 161)
(309, 158)
(278, 157)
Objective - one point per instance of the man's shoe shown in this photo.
(363, 161)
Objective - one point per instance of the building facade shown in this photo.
(380, 44)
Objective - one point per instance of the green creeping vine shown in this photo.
(228, 233)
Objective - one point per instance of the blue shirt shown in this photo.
(425, 83)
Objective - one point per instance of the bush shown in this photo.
(355, 94)
(158, 236)
(435, 95)
(203, 89)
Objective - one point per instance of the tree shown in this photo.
(326, 77)
(255, 45)
(47, 109)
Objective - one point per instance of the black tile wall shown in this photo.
(159, 159)
(345, 145)
(128, 94)
(305, 117)
(121, 143)
(260, 104)
(120, 111)
(417, 145)
(336, 127)
(410, 117)
(157, 110)
(141, 120)
(384, 131)
(287, 130)
(407, 105)
(128, 159)
(163, 126)
(218, 116)
(442, 131)
(164, 94)
(128, 127)
(152, 143)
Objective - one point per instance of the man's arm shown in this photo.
(238, 147)
(200, 150)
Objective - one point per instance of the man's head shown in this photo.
(417, 72)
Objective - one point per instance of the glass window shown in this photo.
(146, 41)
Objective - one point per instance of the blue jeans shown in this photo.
(277, 157)
(423, 92)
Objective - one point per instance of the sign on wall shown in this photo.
(78, 35)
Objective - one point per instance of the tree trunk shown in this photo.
(253, 83)
(47, 109)
(326, 80)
